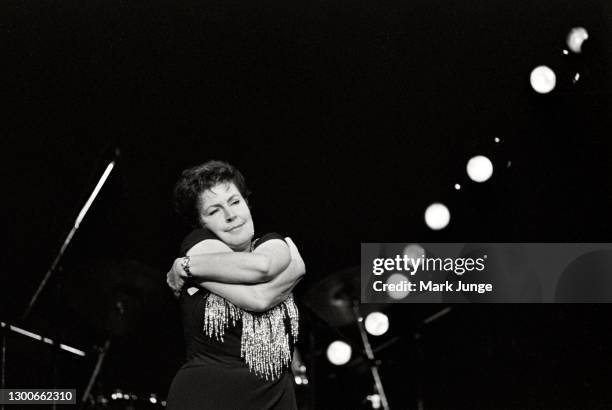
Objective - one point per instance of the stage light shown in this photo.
(576, 78)
(301, 379)
(575, 38)
(497, 140)
(543, 79)
(437, 216)
(375, 400)
(457, 187)
(413, 251)
(397, 279)
(339, 353)
(377, 323)
(153, 399)
(479, 168)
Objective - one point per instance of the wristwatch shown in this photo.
(185, 265)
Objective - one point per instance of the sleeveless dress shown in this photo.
(235, 359)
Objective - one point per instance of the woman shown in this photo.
(239, 318)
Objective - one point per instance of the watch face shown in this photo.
(185, 265)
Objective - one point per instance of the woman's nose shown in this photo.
(229, 215)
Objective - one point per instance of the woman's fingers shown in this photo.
(175, 282)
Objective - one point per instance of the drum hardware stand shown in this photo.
(101, 354)
(370, 354)
(3, 371)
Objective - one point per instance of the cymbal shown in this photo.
(332, 297)
(586, 279)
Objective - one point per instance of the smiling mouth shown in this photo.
(235, 228)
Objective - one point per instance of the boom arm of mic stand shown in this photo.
(78, 221)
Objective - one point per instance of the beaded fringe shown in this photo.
(265, 341)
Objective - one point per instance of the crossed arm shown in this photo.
(255, 281)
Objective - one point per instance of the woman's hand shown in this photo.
(175, 278)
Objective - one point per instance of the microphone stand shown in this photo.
(370, 355)
(3, 371)
(68, 239)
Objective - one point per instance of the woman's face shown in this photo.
(224, 211)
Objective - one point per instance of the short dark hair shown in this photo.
(195, 180)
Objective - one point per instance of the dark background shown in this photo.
(348, 119)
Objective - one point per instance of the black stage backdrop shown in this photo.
(348, 119)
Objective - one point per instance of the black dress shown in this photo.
(216, 374)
